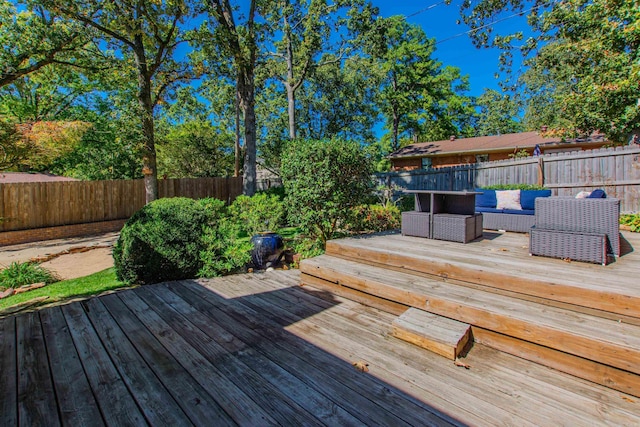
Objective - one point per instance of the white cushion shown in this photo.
(583, 194)
(508, 199)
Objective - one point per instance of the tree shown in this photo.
(239, 43)
(309, 40)
(146, 32)
(417, 95)
(195, 149)
(497, 114)
(33, 38)
(583, 62)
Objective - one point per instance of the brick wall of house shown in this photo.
(406, 164)
(61, 232)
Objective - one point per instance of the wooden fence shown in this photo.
(616, 170)
(25, 206)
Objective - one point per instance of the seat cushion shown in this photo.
(488, 210)
(519, 212)
(528, 197)
(487, 198)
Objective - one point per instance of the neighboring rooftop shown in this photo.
(15, 177)
(487, 144)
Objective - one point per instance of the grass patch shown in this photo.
(81, 287)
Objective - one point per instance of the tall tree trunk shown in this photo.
(290, 83)
(149, 169)
(246, 90)
(236, 170)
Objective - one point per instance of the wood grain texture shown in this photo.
(259, 349)
(603, 340)
(441, 335)
(36, 396)
(503, 262)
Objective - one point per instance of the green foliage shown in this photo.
(497, 114)
(195, 149)
(223, 252)
(25, 273)
(257, 213)
(631, 220)
(520, 154)
(514, 187)
(581, 64)
(307, 247)
(163, 241)
(60, 291)
(374, 218)
(417, 95)
(323, 180)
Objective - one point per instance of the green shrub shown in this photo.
(514, 187)
(632, 220)
(223, 252)
(163, 240)
(25, 273)
(260, 212)
(307, 247)
(323, 180)
(372, 218)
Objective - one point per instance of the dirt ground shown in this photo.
(68, 258)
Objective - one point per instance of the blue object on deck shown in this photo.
(267, 250)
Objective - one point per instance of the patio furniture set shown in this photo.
(579, 229)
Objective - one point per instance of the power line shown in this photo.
(487, 25)
(425, 9)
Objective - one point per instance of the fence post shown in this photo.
(540, 172)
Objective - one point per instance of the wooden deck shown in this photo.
(262, 350)
(579, 318)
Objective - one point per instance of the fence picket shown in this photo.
(25, 206)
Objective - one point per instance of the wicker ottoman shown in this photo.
(457, 228)
(588, 247)
(416, 224)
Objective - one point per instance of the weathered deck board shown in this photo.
(36, 398)
(438, 334)
(490, 261)
(261, 350)
(77, 405)
(616, 344)
(8, 375)
(331, 329)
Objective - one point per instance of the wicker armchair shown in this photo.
(577, 229)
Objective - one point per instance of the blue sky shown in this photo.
(439, 22)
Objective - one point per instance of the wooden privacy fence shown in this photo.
(25, 206)
(616, 170)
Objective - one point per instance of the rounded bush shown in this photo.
(163, 241)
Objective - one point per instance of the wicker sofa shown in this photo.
(508, 219)
(576, 229)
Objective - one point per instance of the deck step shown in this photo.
(484, 264)
(440, 335)
(590, 337)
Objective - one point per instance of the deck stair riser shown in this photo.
(503, 276)
(603, 341)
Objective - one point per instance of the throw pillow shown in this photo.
(508, 199)
(583, 194)
(598, 194)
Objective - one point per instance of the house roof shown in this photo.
(488, 144)
(15, 177)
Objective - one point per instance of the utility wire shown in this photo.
(425, 9)
(487, 25)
